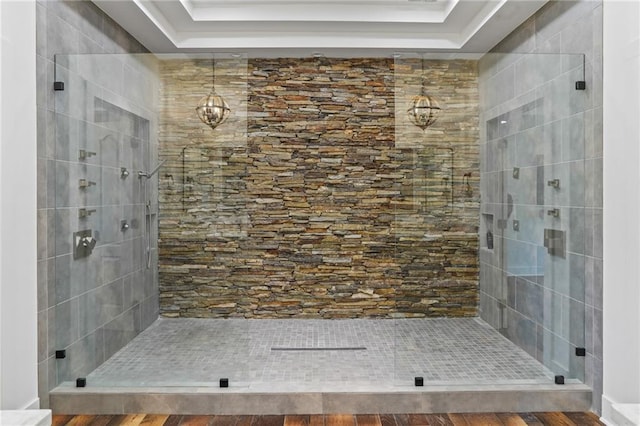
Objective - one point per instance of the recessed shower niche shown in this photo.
(486, 231)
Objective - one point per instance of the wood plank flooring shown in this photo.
(475, 419)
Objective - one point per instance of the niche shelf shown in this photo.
(486, 232)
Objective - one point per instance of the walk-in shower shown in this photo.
(317, 239)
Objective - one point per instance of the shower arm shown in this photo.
(150, 174)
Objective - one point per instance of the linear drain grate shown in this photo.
(347, 348)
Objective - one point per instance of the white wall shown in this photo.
(1, 234)
(18, 333)
(621, 25)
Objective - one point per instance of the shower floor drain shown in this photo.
(348, 348)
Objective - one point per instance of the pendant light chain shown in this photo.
(213, 73)
(422, 93)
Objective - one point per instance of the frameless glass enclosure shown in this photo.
(532, 224)
(105, 285)
(318, 237)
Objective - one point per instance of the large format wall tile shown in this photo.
(560, 44)
(76, 298)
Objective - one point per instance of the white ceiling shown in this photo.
(328, 27)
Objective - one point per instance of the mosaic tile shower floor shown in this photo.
(314, 353)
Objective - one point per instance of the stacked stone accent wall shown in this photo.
(317, 212)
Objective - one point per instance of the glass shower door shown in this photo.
(105, 285)
(535, 210)
(435, 220)
(205, 276)
(109, 180)
(565, 253)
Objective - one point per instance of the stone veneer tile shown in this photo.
(323, 213)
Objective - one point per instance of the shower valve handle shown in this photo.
(85, 212)
(86, 154)
(554, 183)
(85, 183)
(553, 212)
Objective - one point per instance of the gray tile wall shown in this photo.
(533, 119)
(92, 306)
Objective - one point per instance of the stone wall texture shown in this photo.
(312, 209)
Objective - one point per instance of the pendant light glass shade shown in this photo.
(424, 111)
(213, 109)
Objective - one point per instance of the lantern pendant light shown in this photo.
(213, 109)
(424, 109)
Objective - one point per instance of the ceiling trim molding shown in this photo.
(488, 11)
(317, 42)
(158, 19)
(166, 26)
(188, 6)
(322, 11)
(450, 6)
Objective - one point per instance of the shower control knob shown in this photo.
(88, 242)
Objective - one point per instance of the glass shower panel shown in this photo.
(204, 236)
(204, 214)
(532, 215)
(436, 221)
(147, 196)
(105, 231)
(566, 255)
(120, 148)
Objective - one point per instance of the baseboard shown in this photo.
(607, 411)
(26, 417)
(34, 405)
(626, 414)
(616, 414)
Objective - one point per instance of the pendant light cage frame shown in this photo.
(424, 109)
(212, 109)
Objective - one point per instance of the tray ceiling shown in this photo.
(328, 27)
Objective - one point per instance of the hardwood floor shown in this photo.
(475, 419)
